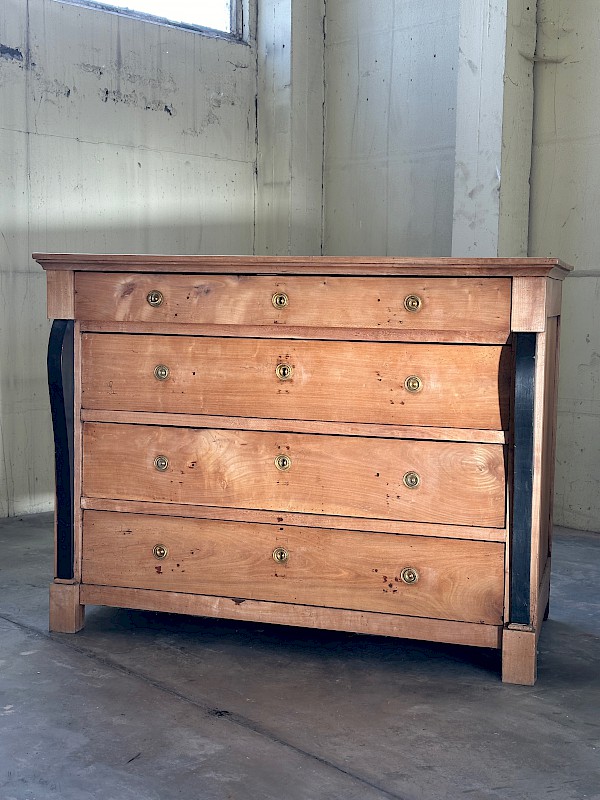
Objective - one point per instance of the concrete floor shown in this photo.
(148, 706)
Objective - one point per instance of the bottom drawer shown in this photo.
(409, 575)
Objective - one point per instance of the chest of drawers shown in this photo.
(343, 443)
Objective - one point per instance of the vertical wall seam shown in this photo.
(6, 467)
(255, 8)
(387, 131)
(323, 124)
(290, 197)
(533, 116)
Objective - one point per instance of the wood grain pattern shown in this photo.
(462, 386)
(539, 532)
(60, 294)
(447, 303)
(461, 483)
(317, 265)
(297, 426)
(553, 297)
(433, 630)
(519, 655)
(528, 304)
(544, 463)
(66, 610)
(548, 450)
(534, 301)
(345, 420)
(292, 518)
(340, 569)
(462, 336)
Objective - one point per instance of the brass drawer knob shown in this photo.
(280, 555)
(161, 372)
(411, 479)
(280, 300)
(284, 371)
(283, 462)
(409, 575)
(412, 302)
(154, 298)
(413, 384)
(160, 551)
(161, 463)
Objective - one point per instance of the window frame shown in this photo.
(237, 9)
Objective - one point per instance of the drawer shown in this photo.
(420, 481)
(464, 386)
(421, 304)
(456, 580)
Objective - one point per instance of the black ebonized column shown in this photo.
(60, 384)
(520, 553)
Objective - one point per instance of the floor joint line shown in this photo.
(211, 712)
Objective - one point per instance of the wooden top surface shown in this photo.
(307, 265)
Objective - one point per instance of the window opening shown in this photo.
(211, 16)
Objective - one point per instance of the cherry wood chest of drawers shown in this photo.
(356, 444)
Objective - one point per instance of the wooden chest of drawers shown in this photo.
(344, 443)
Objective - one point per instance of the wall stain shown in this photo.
(10, 53)
(117, 71)
(53, 88)
(136, 100)
(22, 58)
(44, 89)
(237, 66)
(210, 119)
(95, 70)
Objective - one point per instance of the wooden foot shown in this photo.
(519, 655)
(66, 612)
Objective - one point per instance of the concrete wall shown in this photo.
(115, 136)
(390, 74)
(289, 197)
(494, 121)
(564, 221)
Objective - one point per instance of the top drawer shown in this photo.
(479, 308)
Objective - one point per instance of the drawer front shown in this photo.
(442, 482)
(465, 386)
(457, 580)
(457, 304)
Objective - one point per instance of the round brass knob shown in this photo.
(413, 384)
(160, 551)
(280, 555)
(161, 372)
(412, 302)
(283, 462)
(409, 575)
(284, 371)
(154, 298)
(411, 480)
(280, 300)
(161, 463)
